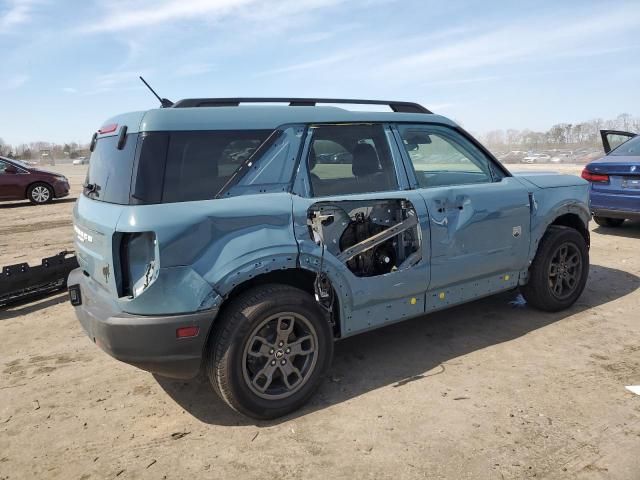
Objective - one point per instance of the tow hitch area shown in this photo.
(21, 282)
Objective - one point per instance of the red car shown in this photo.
(19, 181)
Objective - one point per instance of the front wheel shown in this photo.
(559, 271)
(608, 221)
(40, 193)
(270, 351)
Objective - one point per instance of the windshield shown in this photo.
(629, 148)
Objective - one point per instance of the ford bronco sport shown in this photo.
(242, 240)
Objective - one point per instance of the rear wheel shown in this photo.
(608, 221)
(270, 351)
(559, 271)
(40, 193)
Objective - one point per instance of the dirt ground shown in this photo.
(486, 390)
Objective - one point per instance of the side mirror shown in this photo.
(10, 169)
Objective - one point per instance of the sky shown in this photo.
(67, 66)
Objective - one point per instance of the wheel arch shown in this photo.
(569, 216)
(573, 220)
(295, 277)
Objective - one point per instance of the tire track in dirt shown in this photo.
(36, 226)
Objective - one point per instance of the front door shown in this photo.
(11, 188)
(353, 199)
(479, 215)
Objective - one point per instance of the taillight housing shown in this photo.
(594, 177)
(139, 265)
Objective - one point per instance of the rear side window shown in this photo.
(198, 164)
(348, 159)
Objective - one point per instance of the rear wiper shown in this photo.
(90, 188)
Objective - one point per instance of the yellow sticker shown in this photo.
(441, 296)
(414, 301)
(506, 277)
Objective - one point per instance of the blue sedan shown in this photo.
(614, 194)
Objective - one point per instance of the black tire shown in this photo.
(232, 358)
(608, 221)
(40, 193)
(541, 291)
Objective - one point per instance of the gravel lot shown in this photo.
(485, 390)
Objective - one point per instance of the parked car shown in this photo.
(562, 157)
(19, 180)
(614, 194)
(251, 272)
(80, 161)
(536, 158)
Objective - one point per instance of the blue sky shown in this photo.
(69, 65)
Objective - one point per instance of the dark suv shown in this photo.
(19, 181)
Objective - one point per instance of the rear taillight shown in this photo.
(594, 177)
(138, 263)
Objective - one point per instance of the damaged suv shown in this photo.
(242, 240)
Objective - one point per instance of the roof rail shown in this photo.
(406, 107)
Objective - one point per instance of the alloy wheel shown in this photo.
(565, 270)
(40, 194)
(280, 356)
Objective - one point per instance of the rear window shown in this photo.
(169, 166)
(629, 148)
(109, 175)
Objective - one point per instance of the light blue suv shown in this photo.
(242, 240)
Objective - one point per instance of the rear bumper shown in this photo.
(614, 205)
(609, 213)
(147, 342)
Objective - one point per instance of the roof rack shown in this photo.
(405, 107)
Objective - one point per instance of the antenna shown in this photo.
(165, 103)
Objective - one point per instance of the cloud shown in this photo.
(11, 82)
(120, 15)
(17, 13)
(192, 69)
(534, 40)
(70, 90)
(313, 64)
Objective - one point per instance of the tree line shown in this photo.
(33, 150)
(561, 135)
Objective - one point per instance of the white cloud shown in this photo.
(11, 82)
(70, 90)
(192, 69)
(18, 12)
(312, 64)
(530, 40)
(120, 15)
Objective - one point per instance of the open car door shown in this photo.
(612, 139)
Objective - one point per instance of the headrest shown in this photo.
(365, 160)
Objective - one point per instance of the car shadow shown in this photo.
(17, 309)
(412, 350)
(27, 203)
(629, 229)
